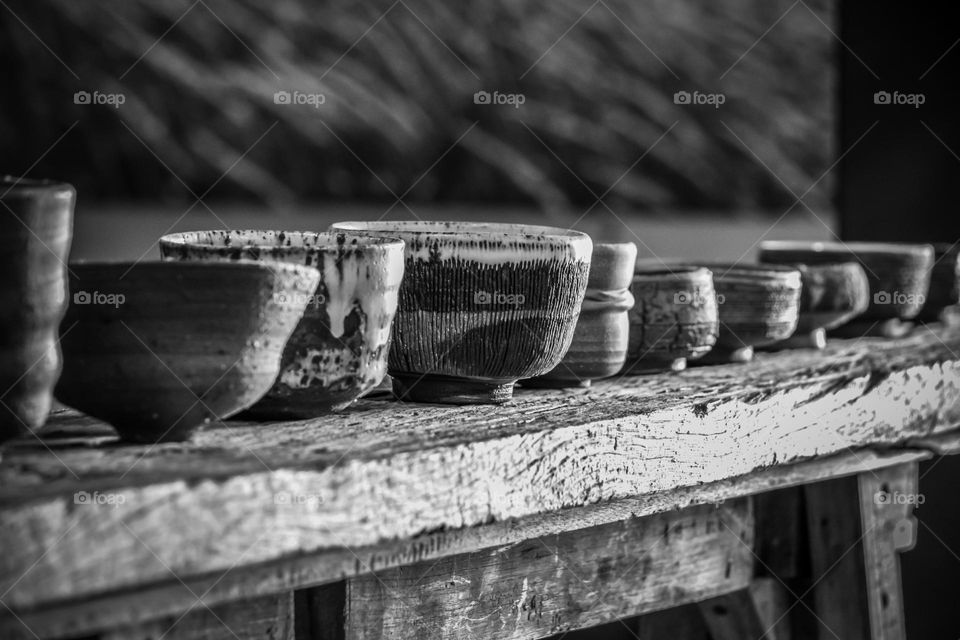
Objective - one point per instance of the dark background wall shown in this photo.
(900, 182)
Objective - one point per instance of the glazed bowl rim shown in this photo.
(461, 228)
(668, 270)
(188, 239)
(847, 248)
(19, 184)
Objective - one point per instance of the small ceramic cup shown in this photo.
(832, 295)
(599, 346)
(675, 318)
(759, 305)
(339, 349)
(944, 282)
(899, 277)
(36, 226)
(158, 349)
(482, 305)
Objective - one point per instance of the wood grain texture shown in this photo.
(559, 583)
(854, 561)
(173, 596)
(245, 494)
(265, 618)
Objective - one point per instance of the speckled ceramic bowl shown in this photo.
(339, 350)
(944, 282)
(759, 305)
(675, 317)
(159, 348)
(600, 340)
(832, 295)
(36, 223)
(481, 306)
(899, 274)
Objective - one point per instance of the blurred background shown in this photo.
(619, 118)
(693, 128)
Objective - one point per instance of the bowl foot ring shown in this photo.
(449, 390)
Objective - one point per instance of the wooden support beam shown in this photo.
(561, 582)
(854, 561)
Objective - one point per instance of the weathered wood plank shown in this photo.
(204, 506)
(854, 561)
(558, 583)
(267, 618)
(170, 598)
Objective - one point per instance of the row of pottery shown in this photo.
(287, 325)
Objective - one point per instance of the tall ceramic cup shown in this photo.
(36, 224)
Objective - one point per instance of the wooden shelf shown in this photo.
(386, 484)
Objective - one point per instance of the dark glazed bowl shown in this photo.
(675, 317)
(157, 349)
(339, 350)
(759, 305)
(600, 340)
(481, 305)
(899, 274)
(36, 225)
(944, 282)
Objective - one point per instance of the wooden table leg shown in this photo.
(854, 560)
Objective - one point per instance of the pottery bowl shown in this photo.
(944, 281)
(759, 305)
(36, 221)
(899, 274)
(675, 317)
(481, 305)
(157, 349)
(601, 337)
(339, 349)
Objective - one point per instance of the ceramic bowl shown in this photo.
(157, 349)
(675, 317)
(481, 306)
(899, 274)
(36, 222)
(759, 305)
(832, 295)
(600, 340)
(944, 282)
(339, 350)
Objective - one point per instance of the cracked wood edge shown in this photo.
(618, 447)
